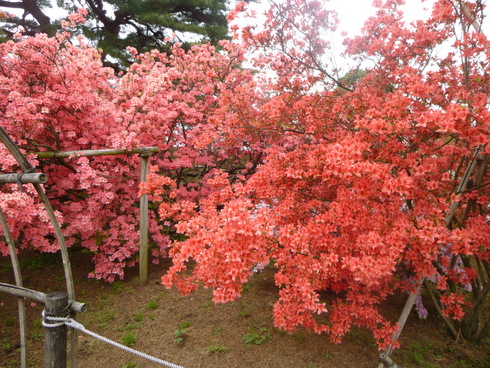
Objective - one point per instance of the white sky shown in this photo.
(353, 13)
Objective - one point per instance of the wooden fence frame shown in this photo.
(28, 175)
(56, 304)
(145, 153)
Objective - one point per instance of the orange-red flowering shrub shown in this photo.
(358, 185)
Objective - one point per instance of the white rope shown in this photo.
(76, 325)
(51, 325)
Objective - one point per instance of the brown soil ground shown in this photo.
(194, 332)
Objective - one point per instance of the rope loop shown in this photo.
(21, 174)
(19, 182)
(56, 321)
(47, 318)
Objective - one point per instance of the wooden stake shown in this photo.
(56, 336)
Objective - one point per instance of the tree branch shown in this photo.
(33, 8)
(113, 26)
(9, 4)
(446, 320)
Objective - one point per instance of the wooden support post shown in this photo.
(385, 356)
(55, 335)
(145, 155)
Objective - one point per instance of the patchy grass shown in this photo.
(257, 336)
(129, 339)
(181, 332)
(215, 348)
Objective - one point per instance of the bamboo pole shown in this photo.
(462, 186)
(24, 178)
(18, 282)
(99, 152)
(37, 296)
(474, 22)
(145, 153)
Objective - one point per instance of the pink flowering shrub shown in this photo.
(58, 97)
